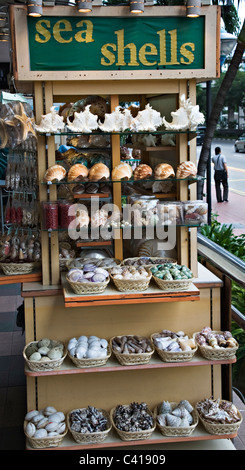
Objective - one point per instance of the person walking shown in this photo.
(220, 175)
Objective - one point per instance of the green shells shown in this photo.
(171, 272)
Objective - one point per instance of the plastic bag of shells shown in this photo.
(45, 428)
(45, 354)
(175, 419)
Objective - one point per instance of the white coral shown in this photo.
(51, 122)
(85, 121)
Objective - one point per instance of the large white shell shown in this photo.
(113, 122)
(51, 122)
(85, 121)
(31, 414)
(40, 433)
(147, 120)
(30, 429)
(49, 410)
(186, 117)
(51, 426)
(180, 120)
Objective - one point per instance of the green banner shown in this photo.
(113, 43)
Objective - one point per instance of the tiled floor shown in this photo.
(12, 377)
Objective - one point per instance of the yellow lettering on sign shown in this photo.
(40, 28)
(58, 29)
(108, 54)
(85, 35)
(143, 52)
(173, 47)
(121, 49)
(187, 53)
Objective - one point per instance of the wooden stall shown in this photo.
(148, 70)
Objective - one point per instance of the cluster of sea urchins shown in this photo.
(133, 417)
(88, 419)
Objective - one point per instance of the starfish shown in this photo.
(26, 121)
(3, 134)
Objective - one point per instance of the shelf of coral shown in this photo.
(112, 365)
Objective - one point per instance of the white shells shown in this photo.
(35, 356)
(186, 117)
(51, 426)
(44, 350)
(40, 433)
(51, 122)
(55, 353)
(84, 121)
(88, 347)
(147, 120)
(175, 415)
(30, 429)
(45, 423)
(31, 415)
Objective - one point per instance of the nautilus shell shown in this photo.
(85, 121)
(51, 122)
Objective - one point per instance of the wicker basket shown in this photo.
(177, 430)
(216, 354)
(90, 437)
(133, 358)
(38, 366)
(87, 362)
(88, 287)
(130, 285)
(11, 269)
(173, 285)
(152, 258)
(43, 442)
(173, 356)
(134, 435)
(220, 428)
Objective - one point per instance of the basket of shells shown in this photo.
(219, 416)
(133, 422)
(216, 345)
(174, 347)
(172, 277)
(176, 419)
(130, 278)
(88, 425)
(88, 280)
(88, 351)
(10, 269)
(46, 428)
(146, 261)
(132, 349)
(45, 354)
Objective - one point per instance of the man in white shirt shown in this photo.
(220, 175)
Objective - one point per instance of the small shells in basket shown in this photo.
(216, 344)
(170, 276)
(87, 351)
(174, 347)
(219, 416)
(45, 428)
(132, 349)
(176, 419)
(89, 424)
(133, 422)
(45, 354)
(130, 278)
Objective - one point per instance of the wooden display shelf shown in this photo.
(111, 296)
(98, 243)
(88, 195)
(112, 365)
(19, 278)
(113, 440)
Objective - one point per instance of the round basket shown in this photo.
(88, 287)
(11, 269)
(43, 442)
(41, 365)
(220, 428)
(173, 285)
(126, 285)
(88, 362)
(177, 430)
(174, 356)
(132, 358)
(90, 437)
(151, 258)
(134, 435)
(216, 354)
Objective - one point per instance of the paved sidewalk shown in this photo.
(232, 212)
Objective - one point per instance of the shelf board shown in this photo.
(112, 365)
(125, 180)
(19, 278)
(113, 440)
(88, 196)
(99, 243)
(111, 296)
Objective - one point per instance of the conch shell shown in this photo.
(85, 121)
(147, 120)
(116, 121)
(51, 122)
(187, 117)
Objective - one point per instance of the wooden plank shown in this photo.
(117, 193)
(19, 278)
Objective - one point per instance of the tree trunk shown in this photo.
(217, 107)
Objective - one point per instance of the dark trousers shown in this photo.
(218, 183)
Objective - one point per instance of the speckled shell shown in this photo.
(186, 169)
(142, 171)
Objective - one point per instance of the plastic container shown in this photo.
(50, 215)
(64, 217)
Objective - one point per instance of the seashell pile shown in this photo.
(222, 339)
(167, 340)
(175, 415)
(129, 272)
(218, 411)
(133, 417)
(44, 350)
(104, 263)
(142, 261)
(88, 347)
(45, 423)
(88, 273)
(131, 344)
(195, 212)
(171, 272)
(88, 420)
